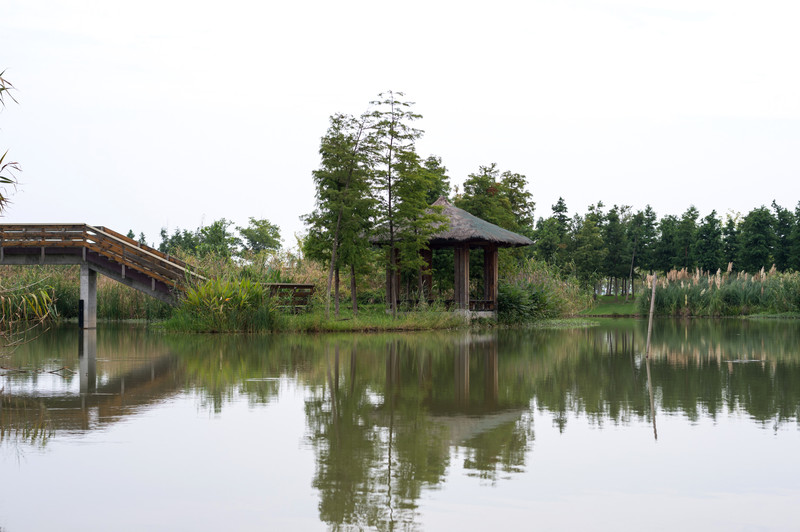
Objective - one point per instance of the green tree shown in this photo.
(439, 182)
(641, 231)
(217, 239)
(345, 205)
(794, 241)
(180, 240)
(501, 199)
(483, 197)
(418, 221)
(560, 215)
(616, 261)
(395, 161)
(666, 249)
(708, 246)
(730, 240)
(685, 235)
(260, 235)
(548, 240)
(514, 187)
(784, 225)
(589, 251)
(757, 239)
(649, 238)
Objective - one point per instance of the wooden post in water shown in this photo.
(650, 321)
(647, 355)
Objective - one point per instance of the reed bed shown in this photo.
(706, 294)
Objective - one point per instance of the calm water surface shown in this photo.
(128, 429)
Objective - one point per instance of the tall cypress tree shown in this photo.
(398, 182)
(615, 264)
(685, 235)
(730, 240)
(784, 224)
(344, 203)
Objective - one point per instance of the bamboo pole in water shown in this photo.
(652, 399)
(650, 321)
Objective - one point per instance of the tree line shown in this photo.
(619, 244)
(219, 238)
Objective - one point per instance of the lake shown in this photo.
(573, 429)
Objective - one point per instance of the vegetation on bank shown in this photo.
(223, 305)
(372, 185)
(682, 293)
(534, 290)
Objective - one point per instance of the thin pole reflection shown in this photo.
(652, 399)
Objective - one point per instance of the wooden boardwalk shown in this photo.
(97, 250)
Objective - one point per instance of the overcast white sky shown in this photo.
(158, 113)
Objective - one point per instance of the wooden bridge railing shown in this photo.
(292, 296)
(128, 253)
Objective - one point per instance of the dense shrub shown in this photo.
(224, 305)
(535, 290)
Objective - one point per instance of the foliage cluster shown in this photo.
(535, 290)
(372, 183)
(221, 239)
(224, 305)
(682, 293)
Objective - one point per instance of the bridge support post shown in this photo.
(88, 296)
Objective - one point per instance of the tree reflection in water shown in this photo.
(381, 441)
(391, 416)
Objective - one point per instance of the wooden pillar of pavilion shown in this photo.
(490, 275)
(461, 292)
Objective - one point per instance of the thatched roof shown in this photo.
(464, 228)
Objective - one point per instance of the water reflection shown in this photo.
(87, 354)
(390, 416)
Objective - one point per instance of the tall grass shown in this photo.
(115, 301)
(682, 293)
(224, 305)
(374, 318)
(535, 290)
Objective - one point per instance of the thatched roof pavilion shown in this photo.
(465, 231)
(464, 228)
